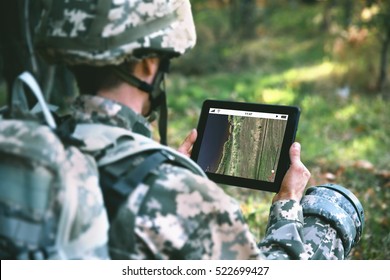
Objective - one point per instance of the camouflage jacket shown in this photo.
(185, 216)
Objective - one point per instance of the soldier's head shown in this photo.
(102, 40)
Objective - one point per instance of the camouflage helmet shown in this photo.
(102, 32)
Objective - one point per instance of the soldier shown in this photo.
(160, 204)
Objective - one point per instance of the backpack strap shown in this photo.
(19, 101)
(117, 186)
(98, 137)
(137, 175)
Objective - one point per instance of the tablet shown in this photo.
(245, 144)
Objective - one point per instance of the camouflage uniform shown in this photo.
(173, 213)
(181, 215)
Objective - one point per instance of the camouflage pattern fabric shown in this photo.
(340, 208)
(180, 215)
(55, 204)
(320, 239)
(99, 110)
(100, 32)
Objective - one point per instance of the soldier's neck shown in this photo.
(129, 96)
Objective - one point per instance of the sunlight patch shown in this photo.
(347, 112)
(278, 96)
(310, 73)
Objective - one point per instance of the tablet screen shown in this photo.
(244, 145)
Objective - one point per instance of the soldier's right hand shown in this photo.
(296, 178)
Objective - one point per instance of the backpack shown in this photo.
(110, 145)
(116, 150)
(51, 205)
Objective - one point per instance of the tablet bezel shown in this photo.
(293, 113)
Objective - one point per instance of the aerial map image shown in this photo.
(244, 147)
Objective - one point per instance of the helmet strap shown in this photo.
(156, 91)
(122, 72)
(163, 119)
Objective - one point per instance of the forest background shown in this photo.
(330, 58)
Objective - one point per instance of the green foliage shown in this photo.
(344, 137)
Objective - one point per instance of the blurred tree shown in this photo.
(327, 15)
(347, 12)
(310, 2)
(243, 18)
(376, 15)
(384, 24)
(371, 14)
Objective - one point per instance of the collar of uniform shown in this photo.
(96, 109)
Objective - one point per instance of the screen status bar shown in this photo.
(251, 114)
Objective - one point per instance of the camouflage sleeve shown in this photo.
(184, 216)
(284, 238)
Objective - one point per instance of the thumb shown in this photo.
(186, 147)
(295, 153)
(190, 139)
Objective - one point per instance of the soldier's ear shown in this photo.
(146, 69)
(150, 67)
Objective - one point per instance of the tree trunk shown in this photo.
(383, 62)
(327, 15)
(243, 17)
(348, 7)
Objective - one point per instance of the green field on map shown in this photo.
(252, 148)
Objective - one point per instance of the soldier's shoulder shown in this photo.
(179, 180)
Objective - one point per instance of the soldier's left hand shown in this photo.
(186, 147)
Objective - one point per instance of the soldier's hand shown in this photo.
(296, 178)
(186, 147)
